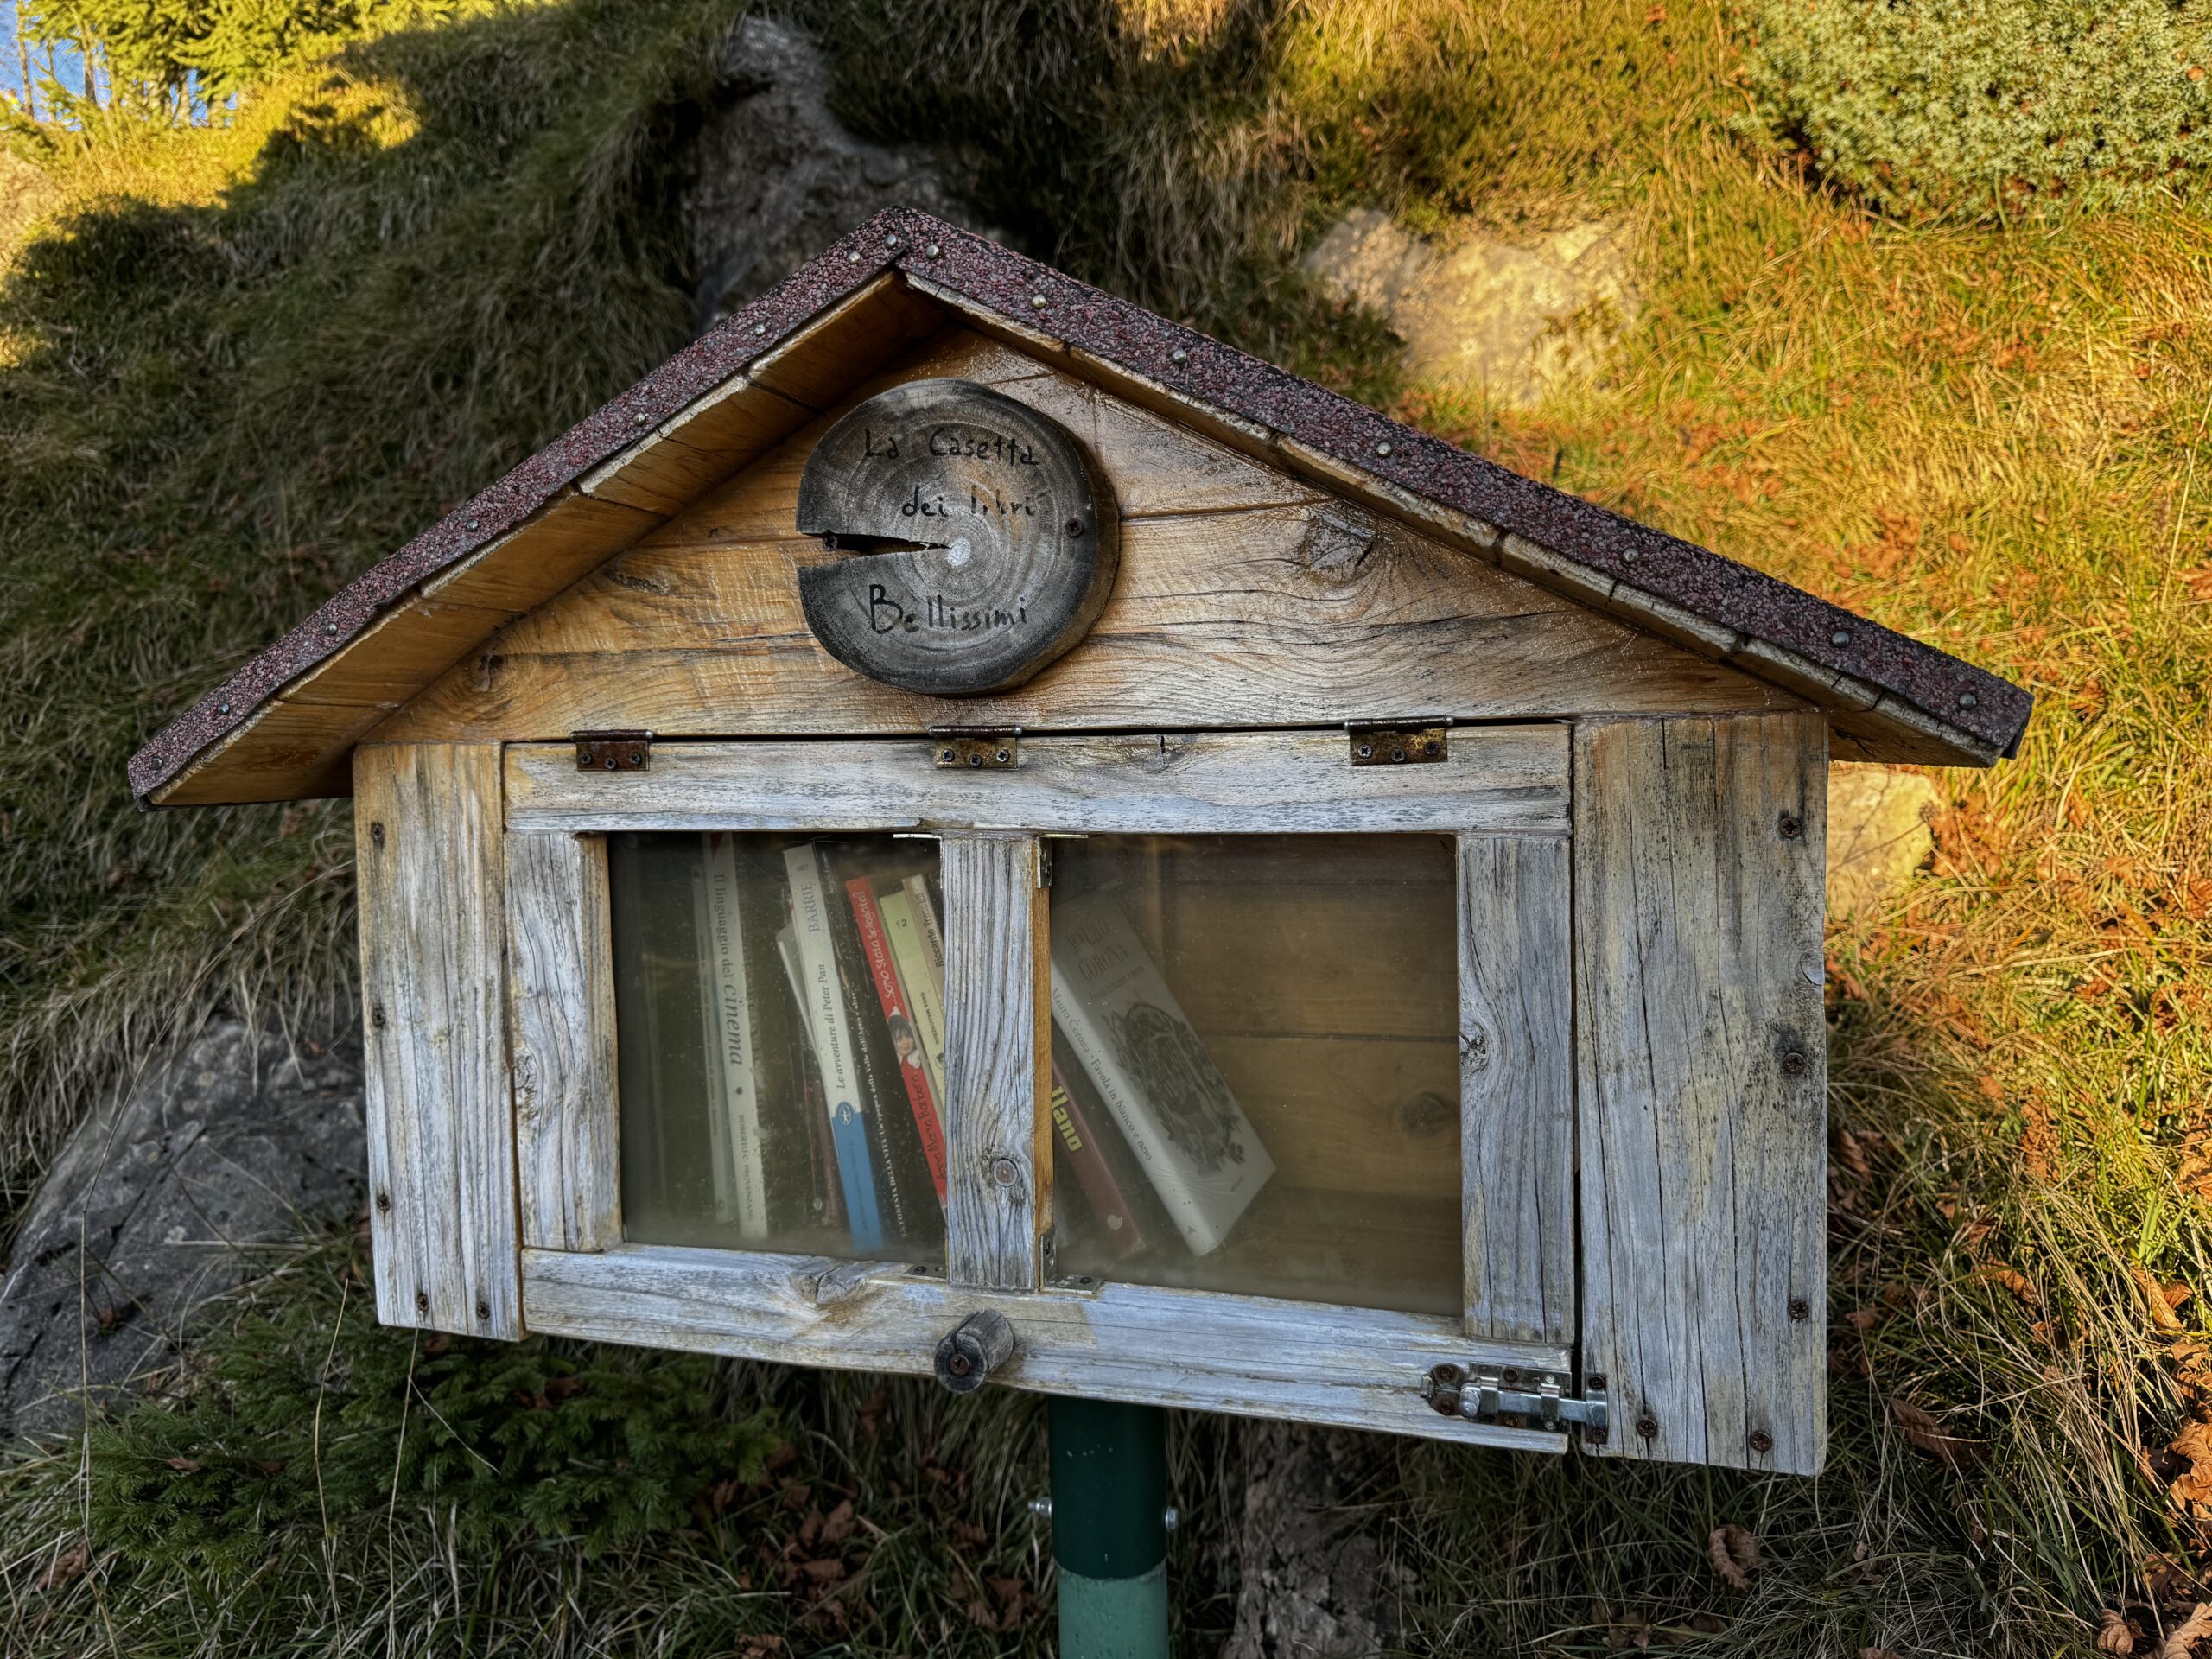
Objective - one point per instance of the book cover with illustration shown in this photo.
(1158, 1084)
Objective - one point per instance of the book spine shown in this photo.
(1080, 1144)
(720, 1164)
(833, 1038)
(827, 1199)
(913, 1074)
(898, 1180)
(735, 1018)
(926, 918)
(922, 981)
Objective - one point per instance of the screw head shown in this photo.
(1789, 826)
(1179, 355)
(1003, 1172)
(1382, 449)
(975, 759)
(1648, 1426)
(1005, 755)
(222, 708)
(1967, 699)
(473, 524)
(1366, 751)
(853, 257)
(1628, 555)
(638, 419)
(1800, 1309)
(422, 1302)
(1397, 754)
(1036, 302)
(384, 1203)
(1793, 1064)
(330, 628)
(376, 1018)
(959, 1365)
(759, 328)
(891, 241)
(1430, 747)
(1762, 1442)
(944, 755)
(483, 1310)
(376, 833)
(1840, 637)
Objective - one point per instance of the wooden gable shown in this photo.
(1248, 597)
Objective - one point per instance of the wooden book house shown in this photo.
(956, 795)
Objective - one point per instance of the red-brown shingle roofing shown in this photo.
(981, 276)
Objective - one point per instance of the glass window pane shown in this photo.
(1256, 1082)
(781, 1042)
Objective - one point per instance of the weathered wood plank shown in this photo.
(995, 1047)
(829, 355)
(700, 445)
(1301, 1362)
(1701, 1077)
(1516, 1090)
(442, 1218)
(560, 1028)
(1276, 616)
(1494, 778)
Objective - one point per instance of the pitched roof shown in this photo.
(762, 373)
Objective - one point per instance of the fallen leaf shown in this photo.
(1631, 1630)
(184, 1466)
(2181, 1640)
(1734, 1553)
(1879, 1653)
(2114, 1634)
(827, 1570)
(1924, 1434)
(2012, 1280)
(2154, 1298)
(839, 1525)
(2194, 1443)
(64, 1568)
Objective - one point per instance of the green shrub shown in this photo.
(313, 1413)
(1974, 108)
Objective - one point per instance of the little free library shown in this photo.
(960, 826)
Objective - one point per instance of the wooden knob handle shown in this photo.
(973, 1349)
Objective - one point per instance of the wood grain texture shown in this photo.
(561, 1036)
(992, 1006)
(701, 445)
(1294, 1361)
(1245, 598)
(1516, 1089)
(442, 1217)
(1700, 1080)
(977, 541)
(1494, 778)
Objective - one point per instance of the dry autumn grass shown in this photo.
(1994, 437)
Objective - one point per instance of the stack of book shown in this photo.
(819, 972)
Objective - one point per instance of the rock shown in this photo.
(1311, 1574)
(238, 1141)
(1507, 320)
(778, 179)
(1878, 833)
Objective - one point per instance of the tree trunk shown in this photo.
(1314, 1577)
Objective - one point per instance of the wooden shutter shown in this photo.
(441, 1159)
(1701, 1079)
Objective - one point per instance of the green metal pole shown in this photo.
(1110, 1529)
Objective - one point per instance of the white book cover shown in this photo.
(742, 1171)
(834, 1053)
(922, 981)
(1163, 1089)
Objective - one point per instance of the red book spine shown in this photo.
(1095, 1175)
(887, 992)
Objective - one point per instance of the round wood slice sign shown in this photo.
(976, 540)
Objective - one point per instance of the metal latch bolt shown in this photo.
(1398, 742)
(1484, 1395)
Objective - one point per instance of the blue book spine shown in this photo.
(856, 1175)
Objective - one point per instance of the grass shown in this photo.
(252, 361)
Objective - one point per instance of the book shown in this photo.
(1153, 1075)
(822, 993)
(826, 1199)
(729, 1010)
(921, 977)
(920, 890)
(900, 1025)
(1079, 1145)
(906, 1194)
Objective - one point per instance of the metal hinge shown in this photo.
(1486, 1394)
(988, 748)
(614, 751)
(1398, 742)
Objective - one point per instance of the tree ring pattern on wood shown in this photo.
(978, 541)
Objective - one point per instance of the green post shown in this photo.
(1110, 1529)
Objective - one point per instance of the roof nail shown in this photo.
(222, 708)
(853, 257)
(330, 628)
(1967, 699)
(639, 419)
(473, 524)
(1179, 355)
(1628, 555)
(1382, 449)
(1036, 302)
(760, 327)
(933, 250)
(891, 241)
(1840, 637)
